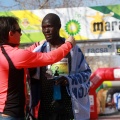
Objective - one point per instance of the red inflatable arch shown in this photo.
(96, 79)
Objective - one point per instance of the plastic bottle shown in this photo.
(56, 88)
(109, 99)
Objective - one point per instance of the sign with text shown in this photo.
(84, 23)
(118, 49)
(99, 50)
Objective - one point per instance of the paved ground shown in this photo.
(115, 116)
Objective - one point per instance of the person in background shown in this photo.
(110, 94)
(14, 63)
(61, 90)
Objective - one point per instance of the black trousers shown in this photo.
(56, 116)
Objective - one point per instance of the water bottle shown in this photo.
(56, 89)
(109, 98)
(49, 73)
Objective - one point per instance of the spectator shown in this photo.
(13, 64)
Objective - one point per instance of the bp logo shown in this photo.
(72, 27)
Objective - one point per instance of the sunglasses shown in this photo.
(18, 30)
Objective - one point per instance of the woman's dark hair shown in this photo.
(7, 23)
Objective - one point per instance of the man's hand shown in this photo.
(71, 40)
(61, 81)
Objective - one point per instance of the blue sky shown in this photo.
(8, 5)
(12, 5)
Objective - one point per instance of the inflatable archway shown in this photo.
(96, 79)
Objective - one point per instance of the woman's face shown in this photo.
(14, 37)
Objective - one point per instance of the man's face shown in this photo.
(50, 31)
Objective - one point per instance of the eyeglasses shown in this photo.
(18, 30)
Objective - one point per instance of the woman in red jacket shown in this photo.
(13, 64)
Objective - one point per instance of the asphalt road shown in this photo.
(115, 116)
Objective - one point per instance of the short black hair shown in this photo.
(7, 23)
(54, 18)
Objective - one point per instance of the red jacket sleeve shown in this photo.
(32, 47)
(34, 59)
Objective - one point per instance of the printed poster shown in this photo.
(60, 68)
